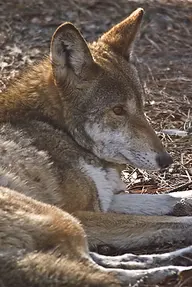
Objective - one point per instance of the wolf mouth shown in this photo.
(139, 162)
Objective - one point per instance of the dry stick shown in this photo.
(180, 187)
(153, 43)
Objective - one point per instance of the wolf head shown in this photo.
(102, 95)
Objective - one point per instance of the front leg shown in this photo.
(166, 275)
(175, 203)
(131, 261)
(145, 270)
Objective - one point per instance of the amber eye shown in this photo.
(119, 111)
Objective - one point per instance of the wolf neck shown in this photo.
(33, 95)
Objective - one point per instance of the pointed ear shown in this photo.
(121, 37)
(69, 53)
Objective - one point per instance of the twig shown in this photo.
(153, 43)
(180, 187)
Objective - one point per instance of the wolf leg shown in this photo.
(133, 232)
(175, 203)
(131, 261)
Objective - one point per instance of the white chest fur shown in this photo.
(107, 182)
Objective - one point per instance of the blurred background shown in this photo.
(164, 50)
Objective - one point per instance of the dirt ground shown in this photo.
(164, 51)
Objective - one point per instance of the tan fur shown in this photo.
(62, 150)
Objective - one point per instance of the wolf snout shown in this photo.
(164, 159)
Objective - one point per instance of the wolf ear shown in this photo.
(121, 37)
(69, 53)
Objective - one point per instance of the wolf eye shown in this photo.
(119, 111)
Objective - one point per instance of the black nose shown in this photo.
(164, 159)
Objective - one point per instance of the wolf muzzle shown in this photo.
(164, 159)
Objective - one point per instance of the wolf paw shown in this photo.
(182, 203)
(183, 208)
